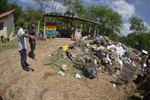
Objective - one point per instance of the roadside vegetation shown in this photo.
(7, 46)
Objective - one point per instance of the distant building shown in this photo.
(7, 24)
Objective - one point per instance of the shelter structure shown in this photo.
(73, 18)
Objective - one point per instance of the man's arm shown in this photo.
(28, 36)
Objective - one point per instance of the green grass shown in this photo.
(7, 46)
(48, 74)
(57, 65)
(11, 94)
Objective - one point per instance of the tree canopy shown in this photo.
(110, 20)
(137, 25)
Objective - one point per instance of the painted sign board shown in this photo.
(50, 29)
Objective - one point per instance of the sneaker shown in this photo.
(26, 69)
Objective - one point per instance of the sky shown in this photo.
(126, 8)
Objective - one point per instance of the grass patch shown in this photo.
(48, 74)
(7, 46)
(11, 94)
(57, 65)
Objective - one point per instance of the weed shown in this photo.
(6, 46)
(11, 94)
(47, 74)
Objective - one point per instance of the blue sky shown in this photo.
(126, 8)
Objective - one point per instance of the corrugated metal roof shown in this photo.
(6, 13)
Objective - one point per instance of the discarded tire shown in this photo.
(90, 72)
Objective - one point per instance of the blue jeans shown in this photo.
(23, 55)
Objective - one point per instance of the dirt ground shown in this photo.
(28, 85)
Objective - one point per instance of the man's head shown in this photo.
(23, 25)
(33, 24)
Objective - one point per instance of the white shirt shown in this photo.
(21, 40)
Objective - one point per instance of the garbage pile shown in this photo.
(111, 55)
(81, 57)
(120, 61)
(99, 56)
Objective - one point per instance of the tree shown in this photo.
(31, 14)
(42, 5)
(74, 7)
(18, 12)
(137, 25)
(110, 21)
(3, 6)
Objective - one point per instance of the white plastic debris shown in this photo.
(114, 85)
(145, 52)
(78, 76)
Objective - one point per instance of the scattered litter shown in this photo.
(61, 73)
(114, 75)
(42, 93)
(114, 84)
(64, 55)
(64, 68)
(78, 76)
(90, 72)
(65, 48)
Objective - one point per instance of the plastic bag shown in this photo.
(90, 72)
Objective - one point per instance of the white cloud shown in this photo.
(126, 29)
(123, 8)
(146, 24)
(54, 6)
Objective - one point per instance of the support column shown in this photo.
(95, 28)
(97, 31)
(89, 29)
(44, 26)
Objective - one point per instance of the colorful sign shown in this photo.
(50, 29)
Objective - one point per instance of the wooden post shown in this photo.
(89, 29)
(38, 26)
(98, 31)
(44, 27)
(95, 27)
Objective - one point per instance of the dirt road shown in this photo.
(28, 85)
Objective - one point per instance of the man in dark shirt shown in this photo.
(32, 41)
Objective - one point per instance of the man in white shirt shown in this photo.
(22, 45)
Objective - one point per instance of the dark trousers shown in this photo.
(23, 54)
(32, 47)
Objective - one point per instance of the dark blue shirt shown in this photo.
(31, 31)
